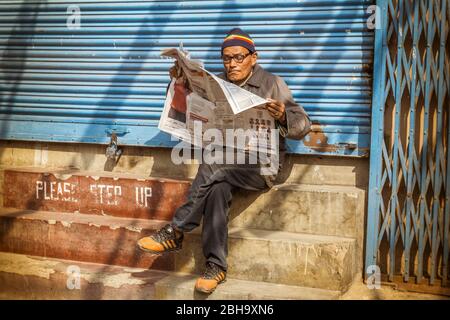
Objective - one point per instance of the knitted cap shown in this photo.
(237, 37)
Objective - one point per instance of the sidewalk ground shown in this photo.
(360, 291)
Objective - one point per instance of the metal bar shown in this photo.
(425, 136)
(378, 98)
(396, 137)
(387, 174)
(439, 146)
(447, 207)
(355, 14)
(411, 144)
(445, 271)
(177, 5)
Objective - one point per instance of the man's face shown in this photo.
(238, 71)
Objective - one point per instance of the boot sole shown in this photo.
(158, 252)
(209, 291)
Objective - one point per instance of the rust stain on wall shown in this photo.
(318, 140)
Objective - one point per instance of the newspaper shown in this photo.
(200, 105)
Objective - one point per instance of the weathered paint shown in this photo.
(116, 196)
(114, 281)
(37, 278)
(89, 238)
(25, 266)
(318, 140)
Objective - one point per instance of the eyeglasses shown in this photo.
(239, 58)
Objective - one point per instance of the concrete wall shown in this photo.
(156, 162)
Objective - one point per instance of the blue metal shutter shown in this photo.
(79, 85)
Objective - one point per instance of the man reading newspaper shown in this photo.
(212, 189)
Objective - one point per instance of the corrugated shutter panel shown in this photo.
(64, 84)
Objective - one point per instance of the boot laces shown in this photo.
(211, 271)
(165, 233)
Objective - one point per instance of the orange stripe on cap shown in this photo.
(235, 36)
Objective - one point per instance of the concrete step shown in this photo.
(299, 259)
(181, 287)
(327, 210)
(80, 237)
(315, 209)
(256, 255)
(67, 190)
(32, 277)
(157, 162)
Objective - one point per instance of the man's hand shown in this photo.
(175, 71)
(277, 110)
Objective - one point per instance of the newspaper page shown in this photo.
(198, 102)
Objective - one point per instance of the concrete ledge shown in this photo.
(327, 210)
(156, 162)
(89, 238)
(31, 277)
(181, 287)
(315, 261)
(256, 255)
(313, 209)
(68, 190)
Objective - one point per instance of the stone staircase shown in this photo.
(295, 241)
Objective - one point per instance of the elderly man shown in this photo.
(211, 192)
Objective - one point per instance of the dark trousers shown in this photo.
(210, 198)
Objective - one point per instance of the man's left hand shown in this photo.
(277, 110)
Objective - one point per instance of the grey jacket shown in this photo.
(268, 85)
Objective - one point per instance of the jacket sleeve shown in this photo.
(298, 124)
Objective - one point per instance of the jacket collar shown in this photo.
(255, 79)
